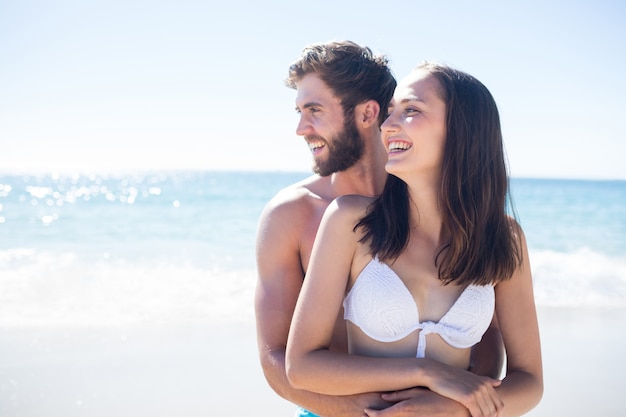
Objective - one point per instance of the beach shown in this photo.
(204, 369)
(132, 294)
(152, 370)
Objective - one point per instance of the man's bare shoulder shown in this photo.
(288, 226)
(304, 195)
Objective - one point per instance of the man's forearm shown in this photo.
(323, 405)
(487, 358)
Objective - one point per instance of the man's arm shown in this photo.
(487, 358)
(280, 276)
(417, 402)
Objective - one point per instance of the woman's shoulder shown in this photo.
(349, 207)
(354, 200)
(352, 203)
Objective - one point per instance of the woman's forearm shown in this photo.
(520, 391)
(333, 373)
(328, 372)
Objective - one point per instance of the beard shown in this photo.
(344, 150)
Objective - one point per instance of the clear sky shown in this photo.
(127, 84)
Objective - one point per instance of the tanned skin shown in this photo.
(287, 230)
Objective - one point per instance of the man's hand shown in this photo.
(418, 402)
(353, 405)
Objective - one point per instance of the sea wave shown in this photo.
(580, 278)
(46, 288)
(42, 287)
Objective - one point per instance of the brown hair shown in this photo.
(352, 72)
(484, 247)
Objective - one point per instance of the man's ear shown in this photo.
(367, 113)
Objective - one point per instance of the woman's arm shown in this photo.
(282, 229)
(310, 363)
(522, 388)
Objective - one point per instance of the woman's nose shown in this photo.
(390, 123)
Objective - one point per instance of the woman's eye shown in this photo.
(411, 111)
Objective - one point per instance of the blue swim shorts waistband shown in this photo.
(301, 412)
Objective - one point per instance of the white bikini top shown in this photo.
(383, 308)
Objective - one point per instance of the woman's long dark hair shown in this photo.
(484, 245)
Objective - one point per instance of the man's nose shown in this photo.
(304, 127)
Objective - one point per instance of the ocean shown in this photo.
(179, 246)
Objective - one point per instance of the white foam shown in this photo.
(40, 287)
(582, 278)
(43, 288)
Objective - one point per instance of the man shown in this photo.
(343, 91)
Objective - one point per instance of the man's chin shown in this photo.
(318, 171)
(326, 172)
(319, 168)
(321, 171)
(327, 168)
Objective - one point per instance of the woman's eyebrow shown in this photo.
(411, 98)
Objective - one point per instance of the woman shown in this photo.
(420, 270)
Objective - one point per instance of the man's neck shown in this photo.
(367, 177)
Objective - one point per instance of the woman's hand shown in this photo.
(475, 392)
(418, 401)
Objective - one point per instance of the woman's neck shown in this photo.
(426, 215)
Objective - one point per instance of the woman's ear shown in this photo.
(367, 113)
